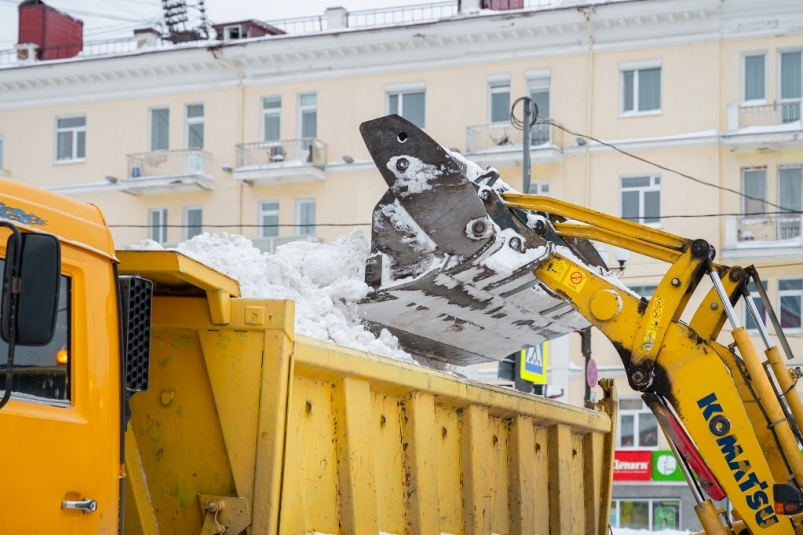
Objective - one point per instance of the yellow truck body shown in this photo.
(250, 427)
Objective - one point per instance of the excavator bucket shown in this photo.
(451, 266)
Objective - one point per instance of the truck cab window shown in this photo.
(43, 373)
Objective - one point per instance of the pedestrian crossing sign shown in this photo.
(534, 363)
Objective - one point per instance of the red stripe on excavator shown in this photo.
(684, 446)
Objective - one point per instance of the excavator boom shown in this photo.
(466, 270)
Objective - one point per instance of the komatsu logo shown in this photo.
(757, 499)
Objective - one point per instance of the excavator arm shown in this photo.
(465, 270)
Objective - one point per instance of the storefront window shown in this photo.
(651, 515)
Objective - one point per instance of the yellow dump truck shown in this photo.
(148, 397)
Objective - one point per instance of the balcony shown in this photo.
(500, 144)
(167, 171)
(765, 127)
(270, 163)
(761, 236)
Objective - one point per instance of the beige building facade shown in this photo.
(260, 136)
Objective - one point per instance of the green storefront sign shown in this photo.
(665, 467)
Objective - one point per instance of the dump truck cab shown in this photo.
(62, 425)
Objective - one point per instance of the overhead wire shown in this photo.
(665, 168)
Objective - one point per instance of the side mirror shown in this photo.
(36, 286)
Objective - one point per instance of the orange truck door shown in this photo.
(59, 434)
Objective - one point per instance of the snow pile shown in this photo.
(325, 281)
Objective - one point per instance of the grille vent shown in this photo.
(137, 295)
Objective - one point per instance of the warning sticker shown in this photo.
(575, 279)
(557, 269)
(654, 320)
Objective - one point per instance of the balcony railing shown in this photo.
(269, 244)
(183, 162)
(746, 231)
(503, 136)
(104, 47)
(282, 154)
(779, 113)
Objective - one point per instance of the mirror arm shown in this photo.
(14, 289)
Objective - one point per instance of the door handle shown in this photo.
(87, 505)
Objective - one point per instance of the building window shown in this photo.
(500, 102)
(195, 126)
(754, 68)
(791, 89)
(790, 196)
(762, 312)
(269, 219)
(157, 224)
(409, 103)
(754, 186)
(539, 93)
(193, 221)
(271, 118)
(651, 515)
(305, 217)
(308, 115)
(539, 187)
(641, 89)
(160, 129)
(43, 373)
(71, 138)
(789, 297)
(641, 199)
(638, 427)
(644, 290)
(233, 32)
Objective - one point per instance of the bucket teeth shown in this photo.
(451, 266)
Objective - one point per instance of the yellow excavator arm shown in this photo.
(465, 270)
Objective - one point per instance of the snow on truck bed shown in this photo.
(324, 280)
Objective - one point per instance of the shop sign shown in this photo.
(632, 465)
(665, 467)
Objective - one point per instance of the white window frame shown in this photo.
(152, 228)
(495, 83)
(778, 75)
(745, 200)
(401, 89)
(746, 313)
(626, 412)
(302, 109)
(299, 202)
(637, 66)
(74, 130)
(150, 126)
(743, 77)
(185, 218)
(537, 187)
(227, 32)
(262, 212)
(651, 516)
(193, 120)
(271, 111)
(652, 187)
(787, 293)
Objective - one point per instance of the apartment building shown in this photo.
(257, 133)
